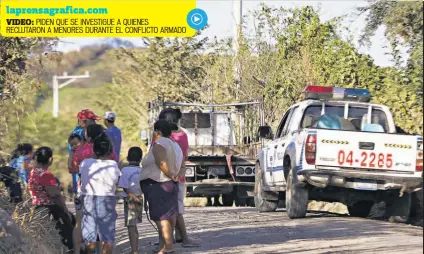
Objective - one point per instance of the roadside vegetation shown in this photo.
(286, 50)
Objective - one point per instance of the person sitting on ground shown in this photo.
(23, 162)
(133, 201)
(45, 193)
(180, 137)
(9, 176)
(159, 183)
(99, 178)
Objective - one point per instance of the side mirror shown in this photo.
(265, 132)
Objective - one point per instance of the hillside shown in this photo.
(41, 129)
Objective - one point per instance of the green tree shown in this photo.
(403, 21)
(291, 48)
(18, 84)
(173, 69)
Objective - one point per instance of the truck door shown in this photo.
(269, 154)
(283, 138)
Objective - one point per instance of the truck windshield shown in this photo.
(357, 117)
(188, 120)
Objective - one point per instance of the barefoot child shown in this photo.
(133, 201)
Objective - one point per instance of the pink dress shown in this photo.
(181, 139)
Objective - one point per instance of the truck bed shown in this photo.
(249, 150)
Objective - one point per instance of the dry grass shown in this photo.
(38, 233)
(195, 202)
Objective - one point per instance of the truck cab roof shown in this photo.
(306, 103)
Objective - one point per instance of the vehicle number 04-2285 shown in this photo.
(368, 159)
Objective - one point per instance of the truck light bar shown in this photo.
(337, 93)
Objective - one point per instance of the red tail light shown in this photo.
(311, 148)
(419, 163)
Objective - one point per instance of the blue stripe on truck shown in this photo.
(275, 169)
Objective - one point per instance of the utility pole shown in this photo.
(237, 29)
(56, 88)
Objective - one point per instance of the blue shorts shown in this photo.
(98, 218)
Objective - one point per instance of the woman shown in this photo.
(45, 193)
(159, 182)
(180, 137)
(99, 177)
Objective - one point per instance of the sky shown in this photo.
(220, 20)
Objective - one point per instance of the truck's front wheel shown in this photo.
(296, 198)
(261, 204)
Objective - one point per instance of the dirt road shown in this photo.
(243, 230)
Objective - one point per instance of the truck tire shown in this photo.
(297, 198)
(250, 202)
(261, 204)
(228, 199)
(360, 209)
(416, 214)
(240, 202)
(399, 208)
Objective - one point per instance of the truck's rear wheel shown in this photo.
(228, 199)
(261, 204)
(250, 202)
(296, 198)
(399, 208)
(360, 209)
(416, 214)
(240, 202)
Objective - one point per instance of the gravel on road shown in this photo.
(243, 230)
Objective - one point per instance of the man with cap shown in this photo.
(85, 117)
(113, 132)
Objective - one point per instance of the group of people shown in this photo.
(155, 182)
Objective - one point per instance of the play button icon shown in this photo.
(197, 19)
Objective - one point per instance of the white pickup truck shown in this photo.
(337, 147)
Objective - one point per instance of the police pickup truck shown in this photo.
(337, 147)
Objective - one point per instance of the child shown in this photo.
(23, 162)
(133, 201)
(74, 141)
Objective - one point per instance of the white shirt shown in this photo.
(152, 171)
(130, 179)
(99, 177)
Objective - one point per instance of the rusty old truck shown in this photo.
(223, 144)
